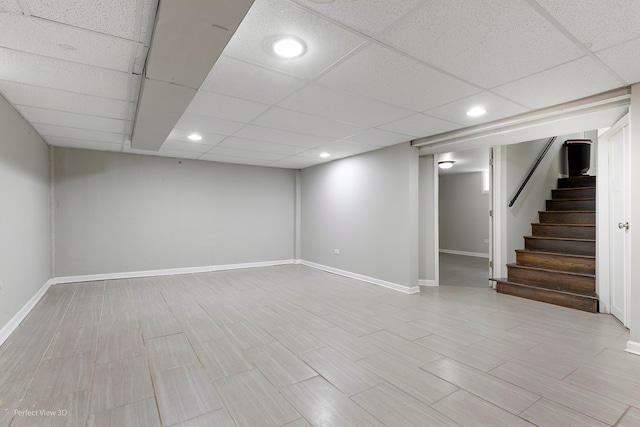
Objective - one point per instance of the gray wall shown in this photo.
(519, 159)
(426, 223)
(123, 212)
(25, 251)
(464, 213)
(367, 207)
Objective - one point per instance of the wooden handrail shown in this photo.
(533, 169)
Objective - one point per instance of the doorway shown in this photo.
(612, 223)
(463, 212)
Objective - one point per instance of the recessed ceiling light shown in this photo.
(476, 111)
(325, 155)
(195, 137)
(445, 164)
(289, 47)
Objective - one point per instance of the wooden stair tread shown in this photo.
(583, 199)
(565, 212)
(574, 188)
(559, 238)
(555, 253)
(590, 295)
(528, 267)
(553, 224)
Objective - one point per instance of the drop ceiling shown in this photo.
(375, 73)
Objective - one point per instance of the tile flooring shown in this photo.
(461, 270)
(294, 346)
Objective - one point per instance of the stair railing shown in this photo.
(533, 169)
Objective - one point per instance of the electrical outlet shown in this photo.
(336, 251)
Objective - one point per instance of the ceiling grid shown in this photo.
(375, 72)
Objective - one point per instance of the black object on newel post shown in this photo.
(579, 156)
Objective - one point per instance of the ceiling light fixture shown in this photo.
(289, 47)
(195, 137)
(476, 112)
(446, 164)
(325, 155)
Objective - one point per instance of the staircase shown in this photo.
(558, 263)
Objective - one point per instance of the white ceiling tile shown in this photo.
(192, 147)
(46, 38)
(225, 107)
(379, 137)
(209, 139)
(243, 80)
(315, 155)
(73, 120)
(484, 42)
(115, 17)
(198, 123)
(565, 83)
(382, 74)
(249, 154)
(269, 19)
(75, 133)
(323, 102)
(367, 16)
(37, 70)
(35, 96)
(623, 59)
(277, 136)
(279, 118)
(307, 161)
(420, 125)
(233, 159)
(288, 164)
(497, 108)
(178, 153)
(10, 6)
(343, 148)
(597, 23)
(267, 147)
(83, 144)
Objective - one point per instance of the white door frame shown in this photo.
(498, 238)
(603, 221)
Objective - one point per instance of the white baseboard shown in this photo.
(11, 326)
(423, 282)
(166, 272)
(383, 283)
(475, 254)
(633, 347)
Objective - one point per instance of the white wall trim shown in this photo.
(633, 347)
(475, 254)
(166, 272)
(383, 283)
(15, 321)
(422, 282)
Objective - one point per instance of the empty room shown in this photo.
(236, 213)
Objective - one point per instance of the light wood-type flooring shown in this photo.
(462, 270)
(294, 346)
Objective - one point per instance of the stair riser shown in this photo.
(552, 279)
(573, 193)
(551, 217)
(559, 230)
(561, 246)
(543, 295)
(571, 205)
(577, 181)
(558, 262)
